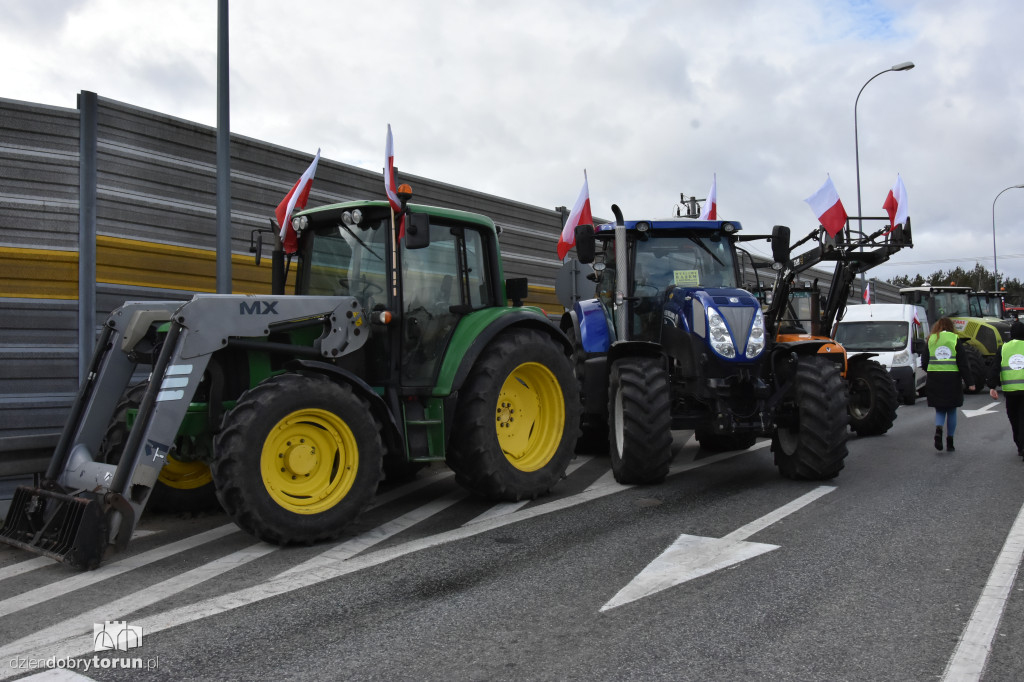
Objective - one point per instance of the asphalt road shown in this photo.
(876, 575)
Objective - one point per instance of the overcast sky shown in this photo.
(652, 98)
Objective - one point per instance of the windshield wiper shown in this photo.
(698, 242)
(361, 242)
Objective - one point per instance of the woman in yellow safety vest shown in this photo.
(947, 371)
(1009, 373)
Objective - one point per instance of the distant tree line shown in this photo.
(978, 278)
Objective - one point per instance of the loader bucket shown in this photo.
(70, 529)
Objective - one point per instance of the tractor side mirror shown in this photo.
(417, 230)
(516, 289)
(780, 244)
(919, 346)
(585, 243)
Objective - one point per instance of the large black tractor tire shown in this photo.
(724, 442)
(185, 484)
(639, 409)
(812, 444)
(517, 418)
(299, 457)
(975, 369)
(873, 398)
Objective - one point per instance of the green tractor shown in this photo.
(985, 335)
(392, 353)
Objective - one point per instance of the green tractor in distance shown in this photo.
(392, 354)
(985, 335)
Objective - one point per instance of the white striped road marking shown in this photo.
(80, 580)
(972, 652)
(301, 576)
(691, 557)
(328, 565)
(80, 629)
(25, 566)
(66, 639)
(503, 508)
(43, 561)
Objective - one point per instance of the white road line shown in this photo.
(80, 580)
(757, 525)
(972, 652)
(319, 569)
(73, 638)
(503, 508)
(410, 487)
(325, 566)
(80, 628)
(691, 557)
(26, 566)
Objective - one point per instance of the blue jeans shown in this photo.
(946, 416)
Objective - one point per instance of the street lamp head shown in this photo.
(903, 66)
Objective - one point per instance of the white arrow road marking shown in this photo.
(981, 410)
(691, 557)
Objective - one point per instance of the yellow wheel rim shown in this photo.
(309, 461)
(185, 475)
(530, 416)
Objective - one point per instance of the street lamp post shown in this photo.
(995, 260)
(903, 66)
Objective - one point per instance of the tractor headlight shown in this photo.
(755, 344)
(299, 224)
(357, 216)
(718, 335)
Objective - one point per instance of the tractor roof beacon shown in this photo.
(292, 408)
(672, 340)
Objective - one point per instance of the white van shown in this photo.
(896, 334)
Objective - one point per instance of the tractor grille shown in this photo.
(738, 318)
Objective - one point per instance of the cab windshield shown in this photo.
(951, 303)
(873, 336)
(682, 261)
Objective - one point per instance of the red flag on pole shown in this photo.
(580, 215)
(710, 209)
(826, 205)
(295, 200)
(389, 182)
(896, 204)
(867, 293)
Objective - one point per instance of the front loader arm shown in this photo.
(111, 497)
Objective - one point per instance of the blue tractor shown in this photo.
(671, 340)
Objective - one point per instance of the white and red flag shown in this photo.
(389, 182)
(580, 216)
(896, 204)
(917, 320)
(295, 200)
(867, 293)
(710, 209)
(826, 205)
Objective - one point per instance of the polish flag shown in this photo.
(295, 200)
(389, 182)
(917, 320)
(710, 209)
(896, 204)
(867, 294)
(580, 216)
(826, 205)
